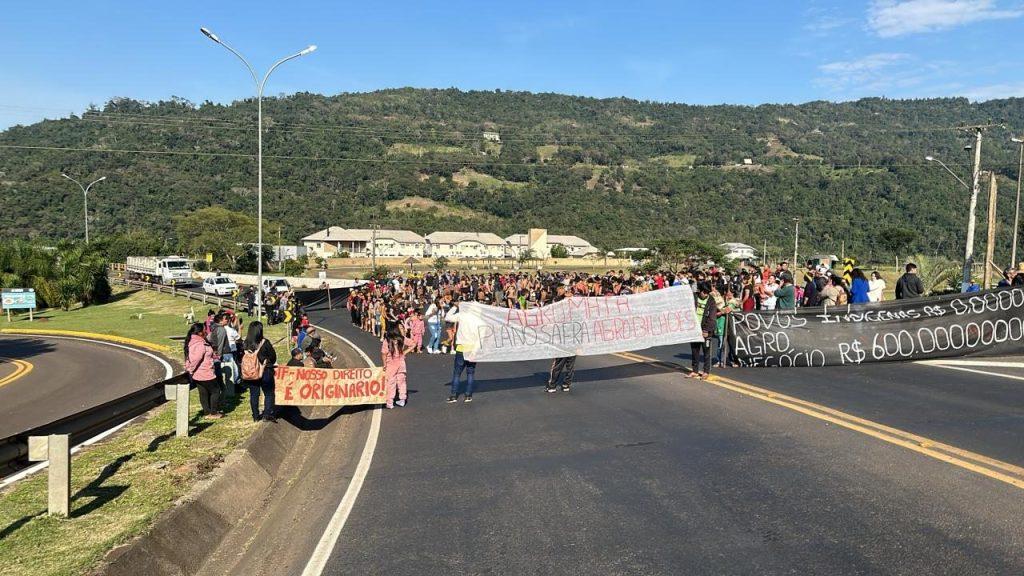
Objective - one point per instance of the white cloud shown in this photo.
(995, 91)
(890, 18)
(866, 65)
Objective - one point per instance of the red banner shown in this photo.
(301, 386)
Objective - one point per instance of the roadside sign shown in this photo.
(18, 298)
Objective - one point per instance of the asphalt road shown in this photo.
(67, 376)
(640, 471)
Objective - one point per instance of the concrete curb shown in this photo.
(93, 335)
(184, 537)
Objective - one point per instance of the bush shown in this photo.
(294, 267)
(378, 273)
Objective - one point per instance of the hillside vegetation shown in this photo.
(616, 171)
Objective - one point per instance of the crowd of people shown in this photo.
(219, 360)
(419, 313)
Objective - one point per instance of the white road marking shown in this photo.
(168, 373)
(977, 363)
(329, 539)
(963, 369)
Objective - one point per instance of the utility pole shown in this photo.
(796, 241)
(279, 247)
(990, 247)
(373, 247)
(764, 253)
(1016, 213)
(975, 189)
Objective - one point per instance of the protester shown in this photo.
(460, 363)
(562, 369)
(785, 295)
(199, 366)
(876, 288)
(909, 285)
(258, 372)
(859, 287)
(392, 354)
(701, 351)
(831, 294)
(296, 359)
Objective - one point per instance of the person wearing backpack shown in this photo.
(258, 372)
(199, 365)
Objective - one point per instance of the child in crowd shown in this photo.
(417, 327)
(392, 352)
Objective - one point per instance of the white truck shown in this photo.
(171, 270)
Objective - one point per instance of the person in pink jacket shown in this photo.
(392, 353)
(416, 330)
(199, 365)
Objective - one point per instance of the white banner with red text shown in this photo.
(578, 326)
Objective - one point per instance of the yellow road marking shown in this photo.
(21, 367)
(979, 463)
(92, 335)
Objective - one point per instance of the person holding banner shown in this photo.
(560, 366)
(460, 361)
(700, 352)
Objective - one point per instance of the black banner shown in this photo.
(972, 324)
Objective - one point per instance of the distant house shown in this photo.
(738, 251)
(465, 245)
(575, 246)
(360, 242)
(492, 136)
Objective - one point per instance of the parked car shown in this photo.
(219, 286)
(271, 284)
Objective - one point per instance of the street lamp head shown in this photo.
(1017, 140)
(309, 49)
(65, 175)
(206, 32)
(930, 158)
(102, 179)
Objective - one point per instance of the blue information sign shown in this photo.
(18, 299)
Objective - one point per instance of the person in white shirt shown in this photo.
(876, 287)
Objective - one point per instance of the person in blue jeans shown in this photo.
(433, 316)
(461, 364)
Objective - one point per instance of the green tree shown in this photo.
(440, 263)
(219, 231)
(559, 251)
(894, 239)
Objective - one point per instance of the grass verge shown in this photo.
(119, 486)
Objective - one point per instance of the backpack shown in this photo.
(252, 368)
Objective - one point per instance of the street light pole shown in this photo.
(85, 195)
(1016, 214)
(969, 248)
(260, 85)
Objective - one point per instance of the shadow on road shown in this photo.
(23, 347)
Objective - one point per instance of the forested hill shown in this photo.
(618, 172)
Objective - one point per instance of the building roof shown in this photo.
(456, 237)
(339, 234)
(733, 246)
(568, 241)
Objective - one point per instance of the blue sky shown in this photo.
(59, 56)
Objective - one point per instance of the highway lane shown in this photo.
(639, 471)
(67, 376)
(979, 412)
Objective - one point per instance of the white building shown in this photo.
(574, 245)
(360, 243)
(288, 252)
(465, 245)
(738, 251)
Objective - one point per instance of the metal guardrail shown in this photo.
(87, 423)
(173, 291)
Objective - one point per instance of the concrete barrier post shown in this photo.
(179, 394)
(55, 448)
